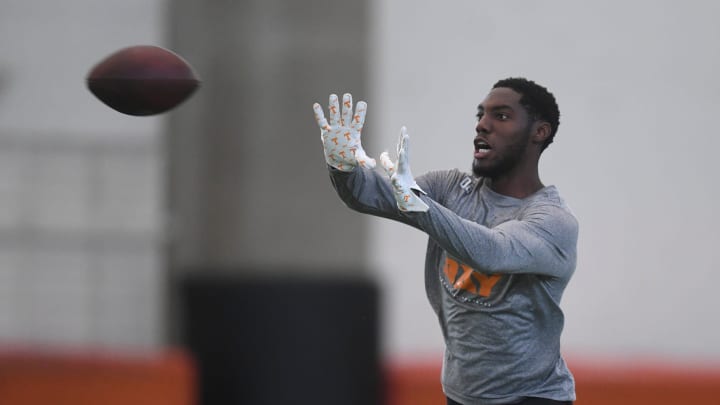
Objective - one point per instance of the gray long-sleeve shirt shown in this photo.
(495, 271)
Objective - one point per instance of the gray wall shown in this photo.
(248, 184)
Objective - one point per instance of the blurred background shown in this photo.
(129, 235)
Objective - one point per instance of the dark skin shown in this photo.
(515, 142)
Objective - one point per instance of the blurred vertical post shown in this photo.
(259, 248)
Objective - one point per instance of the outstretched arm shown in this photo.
(542, 241)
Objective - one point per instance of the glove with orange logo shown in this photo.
(402, 180)
(341, 136)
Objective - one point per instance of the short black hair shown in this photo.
(537, 100)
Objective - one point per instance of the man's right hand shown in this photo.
(341, 136)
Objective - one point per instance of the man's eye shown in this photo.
(502, 117)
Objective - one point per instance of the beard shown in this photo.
(504, 162)
(497, 168)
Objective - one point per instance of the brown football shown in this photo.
(142, 80)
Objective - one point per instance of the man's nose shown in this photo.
(482, 126)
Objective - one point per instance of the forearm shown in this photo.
(512, 247)
(368, 192)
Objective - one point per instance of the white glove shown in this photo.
(402, 180)
(341, 137)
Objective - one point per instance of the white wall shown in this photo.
(48, 48)
(635, 155)
(80, 184)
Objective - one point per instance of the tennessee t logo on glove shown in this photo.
(341, 136)
(402, 180)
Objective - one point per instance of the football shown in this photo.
(142, 80)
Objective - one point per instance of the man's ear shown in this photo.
(541, 132)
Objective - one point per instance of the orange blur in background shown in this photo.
(37, 377)
(598, 382)
(62, 377)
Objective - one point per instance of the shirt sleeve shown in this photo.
(368, 192)
(542, 241)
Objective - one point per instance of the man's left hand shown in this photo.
(401, 177)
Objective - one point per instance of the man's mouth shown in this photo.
(481, 149)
